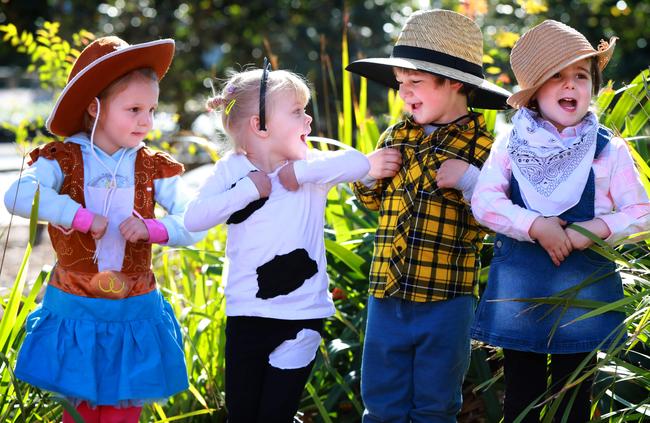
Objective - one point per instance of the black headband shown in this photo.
(432, 56)
(265, 75)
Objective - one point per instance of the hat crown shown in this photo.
(444, 31)
(94, 51)
(540, 50)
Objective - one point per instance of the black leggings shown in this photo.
(257, 392)
(526, 376)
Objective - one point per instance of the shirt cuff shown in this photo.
(248, 189)
(299, 169)
(524, 223)
(467, 182)
(157, 231)
(616, 224)
(83, 220)
(368, 181)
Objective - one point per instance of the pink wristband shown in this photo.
(83, 220)
(157, 231)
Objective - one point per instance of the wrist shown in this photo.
(601, 229)
(532, 232)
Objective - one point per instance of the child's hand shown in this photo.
(596, 226)
(384, 163)
(550, 234)
(98, 227)
(262, 182)
(287, 176)
(133, 229)
(450, 172)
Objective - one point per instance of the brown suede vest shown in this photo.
(75, 266)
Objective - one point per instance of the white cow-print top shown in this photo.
(275, 249)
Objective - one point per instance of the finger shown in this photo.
(392, 167)
(569, 245)
(554, 258)
(128, 222)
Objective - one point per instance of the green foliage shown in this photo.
(191, 278)
(50, 55)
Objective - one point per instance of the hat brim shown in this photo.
(488, 95)
(522, 97)
(66, 117)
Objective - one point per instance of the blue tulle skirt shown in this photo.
(106, 352)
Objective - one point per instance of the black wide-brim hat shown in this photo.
(443, 43)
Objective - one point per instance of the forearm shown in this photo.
(332, 167)
(204, 212)
(46, 177)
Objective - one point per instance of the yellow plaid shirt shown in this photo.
(427, 241)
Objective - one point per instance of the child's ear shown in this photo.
(254, 124)
(92, 108)
(455, 85)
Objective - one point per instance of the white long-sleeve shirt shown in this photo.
(620, 200)
(286, 224)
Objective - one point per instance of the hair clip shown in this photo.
(230, 89)
(229, 106)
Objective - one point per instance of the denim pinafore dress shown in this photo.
(522, 269)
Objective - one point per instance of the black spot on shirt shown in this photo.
(285, 273)
(240, 215)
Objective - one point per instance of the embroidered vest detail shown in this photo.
(75, 251)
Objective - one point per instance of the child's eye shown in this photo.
(555, 76)
(135, 109)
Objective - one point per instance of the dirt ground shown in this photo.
(14, 242)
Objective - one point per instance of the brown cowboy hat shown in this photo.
(99, 64)
(545, 50)
(443, 43)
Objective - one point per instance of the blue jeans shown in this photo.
(415, 356)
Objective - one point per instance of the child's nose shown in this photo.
(569, 83)
(146, 119)
(404, 91)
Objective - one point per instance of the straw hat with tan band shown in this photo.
(547, 49)
(443, 43)
(99, 64)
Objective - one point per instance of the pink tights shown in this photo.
(105, 414)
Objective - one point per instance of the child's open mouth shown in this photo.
(568, 104)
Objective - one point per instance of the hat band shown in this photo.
(432, 56)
